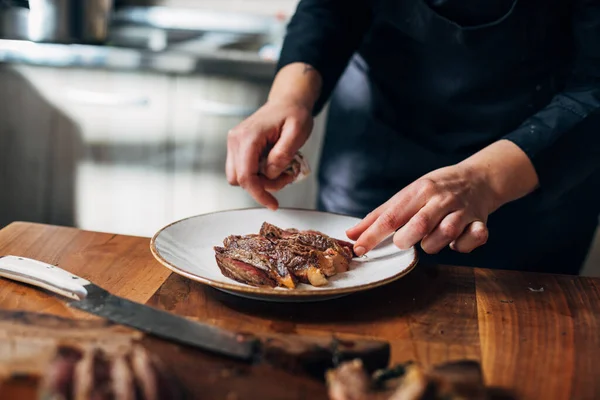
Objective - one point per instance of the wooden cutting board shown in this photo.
(535, 335)
(28, 341)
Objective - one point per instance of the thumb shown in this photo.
(284, 150)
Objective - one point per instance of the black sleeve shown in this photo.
(563, 139)
(325, 34)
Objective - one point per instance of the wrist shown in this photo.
(505, 169)
(296, 83)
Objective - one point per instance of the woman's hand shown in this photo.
(285, 127)
(278, 130)
(451, 205)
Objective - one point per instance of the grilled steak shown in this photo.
(241, 271)
(277, 257)
(250, 263)
(449, 381)
(288, 261)
(91, 373)
(263, 253)
(349, 381)
(338, 252)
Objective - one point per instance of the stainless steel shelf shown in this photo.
(166, 40)
(228, 63)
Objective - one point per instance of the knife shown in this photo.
(307, 354)
(91, 298)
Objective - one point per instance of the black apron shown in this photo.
(457, 89)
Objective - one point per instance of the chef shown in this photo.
(468, 128)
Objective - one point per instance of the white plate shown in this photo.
(186, 247)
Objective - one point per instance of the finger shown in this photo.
(358, 229)
(420, 225)
(230, 165)
(284, 150)
(247, 174)
(254, 186)
(396, 213)
(451, 227)
(274, 185)
(476, 234)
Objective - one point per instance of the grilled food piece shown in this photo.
(247, 267)
(258, 250)
(287, 263)
(83, 374)
(338, 252)
(459, 380)
(57, 382)
(303, 263)
(278, 257)
(349, 381)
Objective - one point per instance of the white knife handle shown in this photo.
(43, 275)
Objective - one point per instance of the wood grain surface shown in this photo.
(536, 335)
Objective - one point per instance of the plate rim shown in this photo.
(272, 292)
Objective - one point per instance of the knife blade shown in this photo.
(294, 353)
(88, 297)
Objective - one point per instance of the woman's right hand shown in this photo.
(281, 126)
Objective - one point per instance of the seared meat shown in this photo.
(349, 382)
(123, 379)
(288, 261)
(58, 380)
(261, 252)
(84, 374)
(277, 257)
(450, 381)
(233, 267)
(338, 252)
(347, 247)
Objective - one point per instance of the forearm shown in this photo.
(559, 142)
(506, 170)
(297, 83)
(323, 34)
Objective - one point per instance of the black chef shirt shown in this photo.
(538, 95)
(471, 12)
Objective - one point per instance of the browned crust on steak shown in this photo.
(282, 257)
(241, 271)
(335, 254)
(261, 252)
(303, 263)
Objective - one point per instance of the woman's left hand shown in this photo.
(449, 206)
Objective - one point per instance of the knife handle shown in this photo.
(44, 276)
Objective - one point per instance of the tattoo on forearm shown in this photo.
(307, 68)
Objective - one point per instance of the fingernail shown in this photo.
(359, 251)
(272, 172)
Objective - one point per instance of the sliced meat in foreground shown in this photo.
(454, 380)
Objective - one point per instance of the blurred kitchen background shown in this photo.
(114, 114)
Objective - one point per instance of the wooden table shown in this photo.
(538, 344)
